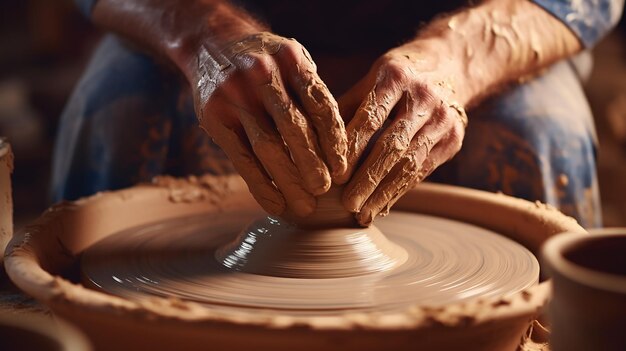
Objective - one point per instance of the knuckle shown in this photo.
(262, 67)
(441, 113)
(397, 71)
(396, 143)
(412, 164)
(291, 50)
(440, 119)
(423, 92)
(456, 140)
(403, 125)
(427, 102)
(393, 145)
(458, 131)
(426, 169)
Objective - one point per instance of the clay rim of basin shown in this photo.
(511, 217)
(555, 251)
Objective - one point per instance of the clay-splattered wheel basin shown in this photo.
(43, 260)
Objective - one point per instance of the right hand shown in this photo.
(262, 102)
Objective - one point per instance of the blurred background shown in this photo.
(45, 45)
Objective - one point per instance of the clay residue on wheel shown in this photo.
(412, 260)
(195, 189)
(34, 259)
(271, 247)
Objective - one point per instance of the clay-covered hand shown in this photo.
(262, 102)
(406, 122)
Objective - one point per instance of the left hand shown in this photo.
(407, 122)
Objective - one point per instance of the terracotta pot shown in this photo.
(588, 311)
(41, 257)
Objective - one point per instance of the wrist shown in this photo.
(205, 38)
(497, 43)
(177, 30)
(437, 61)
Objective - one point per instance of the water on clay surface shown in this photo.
(448, 262)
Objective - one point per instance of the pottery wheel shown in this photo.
(440, 261)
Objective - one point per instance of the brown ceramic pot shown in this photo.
(588, 310)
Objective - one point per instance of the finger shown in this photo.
(350, 101)
(390, 146)
(270, 150)
(407, 134)
(369, 118)
(319, 104)
(413, 169)
(234, 143)
(297, 134)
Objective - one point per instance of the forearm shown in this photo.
(494, 43)
(176, 29)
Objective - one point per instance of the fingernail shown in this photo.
(341, 177)
(353, 203)
(319, 184)
(303, 207)
(365, 218)
(339, 170)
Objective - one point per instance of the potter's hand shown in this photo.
(244, 89)
(257, 94)
(414, 95)
(407, 101)
(262, 102)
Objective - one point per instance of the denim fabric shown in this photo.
(590, 20)
(127, 120)
(535, 141)
(85, 6)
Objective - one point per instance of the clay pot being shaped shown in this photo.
(131, 312)
(588, 310)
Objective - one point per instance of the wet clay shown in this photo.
(328, 212)
(318, 264)
(325, 244)
(191, 209)
(272, 142)
(422, 260)
(272, 247)
(313, 93)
